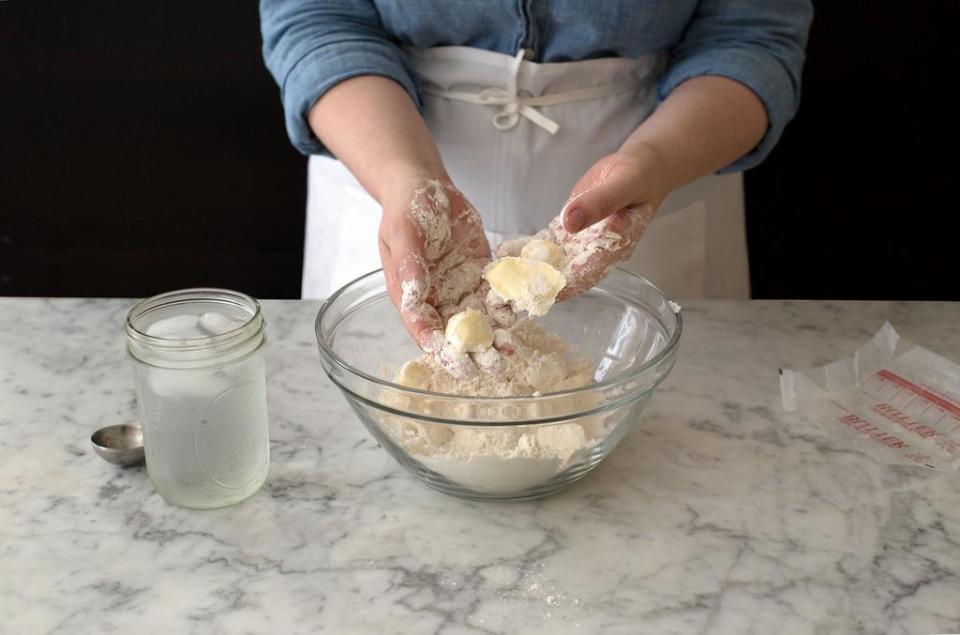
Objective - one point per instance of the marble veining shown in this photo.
(719, 513)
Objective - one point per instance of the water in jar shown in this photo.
(205, 428)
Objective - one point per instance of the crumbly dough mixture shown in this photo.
(489, 459)
(540, 363)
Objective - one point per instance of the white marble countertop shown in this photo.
(719, 513)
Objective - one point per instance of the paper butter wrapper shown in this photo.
(893, 400)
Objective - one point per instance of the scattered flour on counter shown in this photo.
(489, 459)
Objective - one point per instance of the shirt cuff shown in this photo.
(324, 67)
(758, 71)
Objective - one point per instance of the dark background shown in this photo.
(142, 149)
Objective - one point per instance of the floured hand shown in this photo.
(434, 250)
(607, 213)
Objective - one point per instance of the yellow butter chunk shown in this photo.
(529, 285)
(470, 332)
(543, 250)
(414, 374)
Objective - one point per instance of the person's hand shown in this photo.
(434, 251)
(608, 210)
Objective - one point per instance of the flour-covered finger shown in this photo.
(471, 301)
(595, 250)
(422, 321)
(414, 279)
(504, 341)
(457, 282)
(458, 364)
(489, 361)
(447, 311)
(496, 307)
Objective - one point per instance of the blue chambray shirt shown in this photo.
(311, 45)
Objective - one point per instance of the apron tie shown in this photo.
(513, 103)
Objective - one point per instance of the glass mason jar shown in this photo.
(198, 364)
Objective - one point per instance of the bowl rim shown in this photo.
(616, 380)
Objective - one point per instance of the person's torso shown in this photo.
(554, 30)
(514, 157)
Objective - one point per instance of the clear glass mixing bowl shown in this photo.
(526, 447)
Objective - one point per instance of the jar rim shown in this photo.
(250, 328)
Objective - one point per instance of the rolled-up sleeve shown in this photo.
(311, 45)
(759, 43)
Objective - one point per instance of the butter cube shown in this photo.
(529, 285)
(414, 374)
(543, 250)
(470, 331)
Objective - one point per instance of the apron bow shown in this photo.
(512, 104)
(512, 107)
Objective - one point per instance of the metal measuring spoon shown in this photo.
(120, 444)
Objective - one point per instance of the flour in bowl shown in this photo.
(491, 459)
(540, 363)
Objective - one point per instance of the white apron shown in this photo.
(515, 136)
